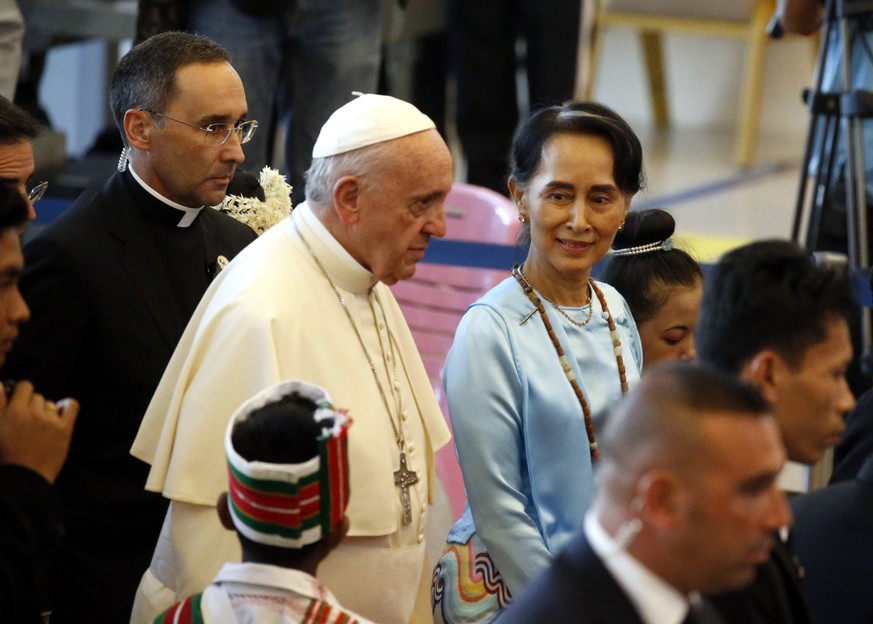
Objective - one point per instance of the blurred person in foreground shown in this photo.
(677, 510)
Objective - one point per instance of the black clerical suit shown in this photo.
(111, 284)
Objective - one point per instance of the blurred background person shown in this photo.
(538, 359)
(299, 62)
(662, 285)
(777, 316)
(491, 42)
(11, 35)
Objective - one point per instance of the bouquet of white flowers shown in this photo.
(261, 215)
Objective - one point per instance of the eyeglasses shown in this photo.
(218, 133)
(36, 193)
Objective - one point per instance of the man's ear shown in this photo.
(224, 512)
(765, 371)
(138, 129)
(346, 193)
(661, 498)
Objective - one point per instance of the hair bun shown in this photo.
(642, 227)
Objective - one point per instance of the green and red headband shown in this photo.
(290, 505)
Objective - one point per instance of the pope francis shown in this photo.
(309, 300)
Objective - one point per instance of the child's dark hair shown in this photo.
(645, 279)
(266, 435)
(281, 432)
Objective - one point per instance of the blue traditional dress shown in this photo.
(521, 441)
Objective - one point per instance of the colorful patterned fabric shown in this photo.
(320, 612)
(262, 593)
(290, 505)
(467, 587)
(185, 612)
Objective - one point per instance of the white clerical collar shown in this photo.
(656, 601)
(348, 273)
(189, 213)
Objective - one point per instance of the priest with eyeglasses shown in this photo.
(111, 284)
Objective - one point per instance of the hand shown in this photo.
(35, 433)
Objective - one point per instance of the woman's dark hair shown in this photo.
(586, 118)
(583, 118)
(645, 279)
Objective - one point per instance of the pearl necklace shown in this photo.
(404, 478)
(565, 363)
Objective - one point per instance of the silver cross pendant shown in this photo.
(404, 478)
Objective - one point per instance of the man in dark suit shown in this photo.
(833, 536)
(677, 509)
(778, 317)
(111, 285)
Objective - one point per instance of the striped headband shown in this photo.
(290, 505)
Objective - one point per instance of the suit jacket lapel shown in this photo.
(141, 260)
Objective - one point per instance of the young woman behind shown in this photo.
(661, 284)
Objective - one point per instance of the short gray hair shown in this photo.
(324, 173)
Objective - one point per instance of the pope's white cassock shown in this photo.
(272, 315)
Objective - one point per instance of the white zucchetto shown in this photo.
(366, 120)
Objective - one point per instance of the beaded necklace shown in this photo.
(565, 363)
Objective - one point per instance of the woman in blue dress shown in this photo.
(538, 360)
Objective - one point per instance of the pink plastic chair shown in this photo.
(434, 300)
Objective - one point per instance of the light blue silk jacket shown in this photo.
(518, 427)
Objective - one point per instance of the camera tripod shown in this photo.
(833, 191)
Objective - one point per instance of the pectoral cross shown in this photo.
(403, 478)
